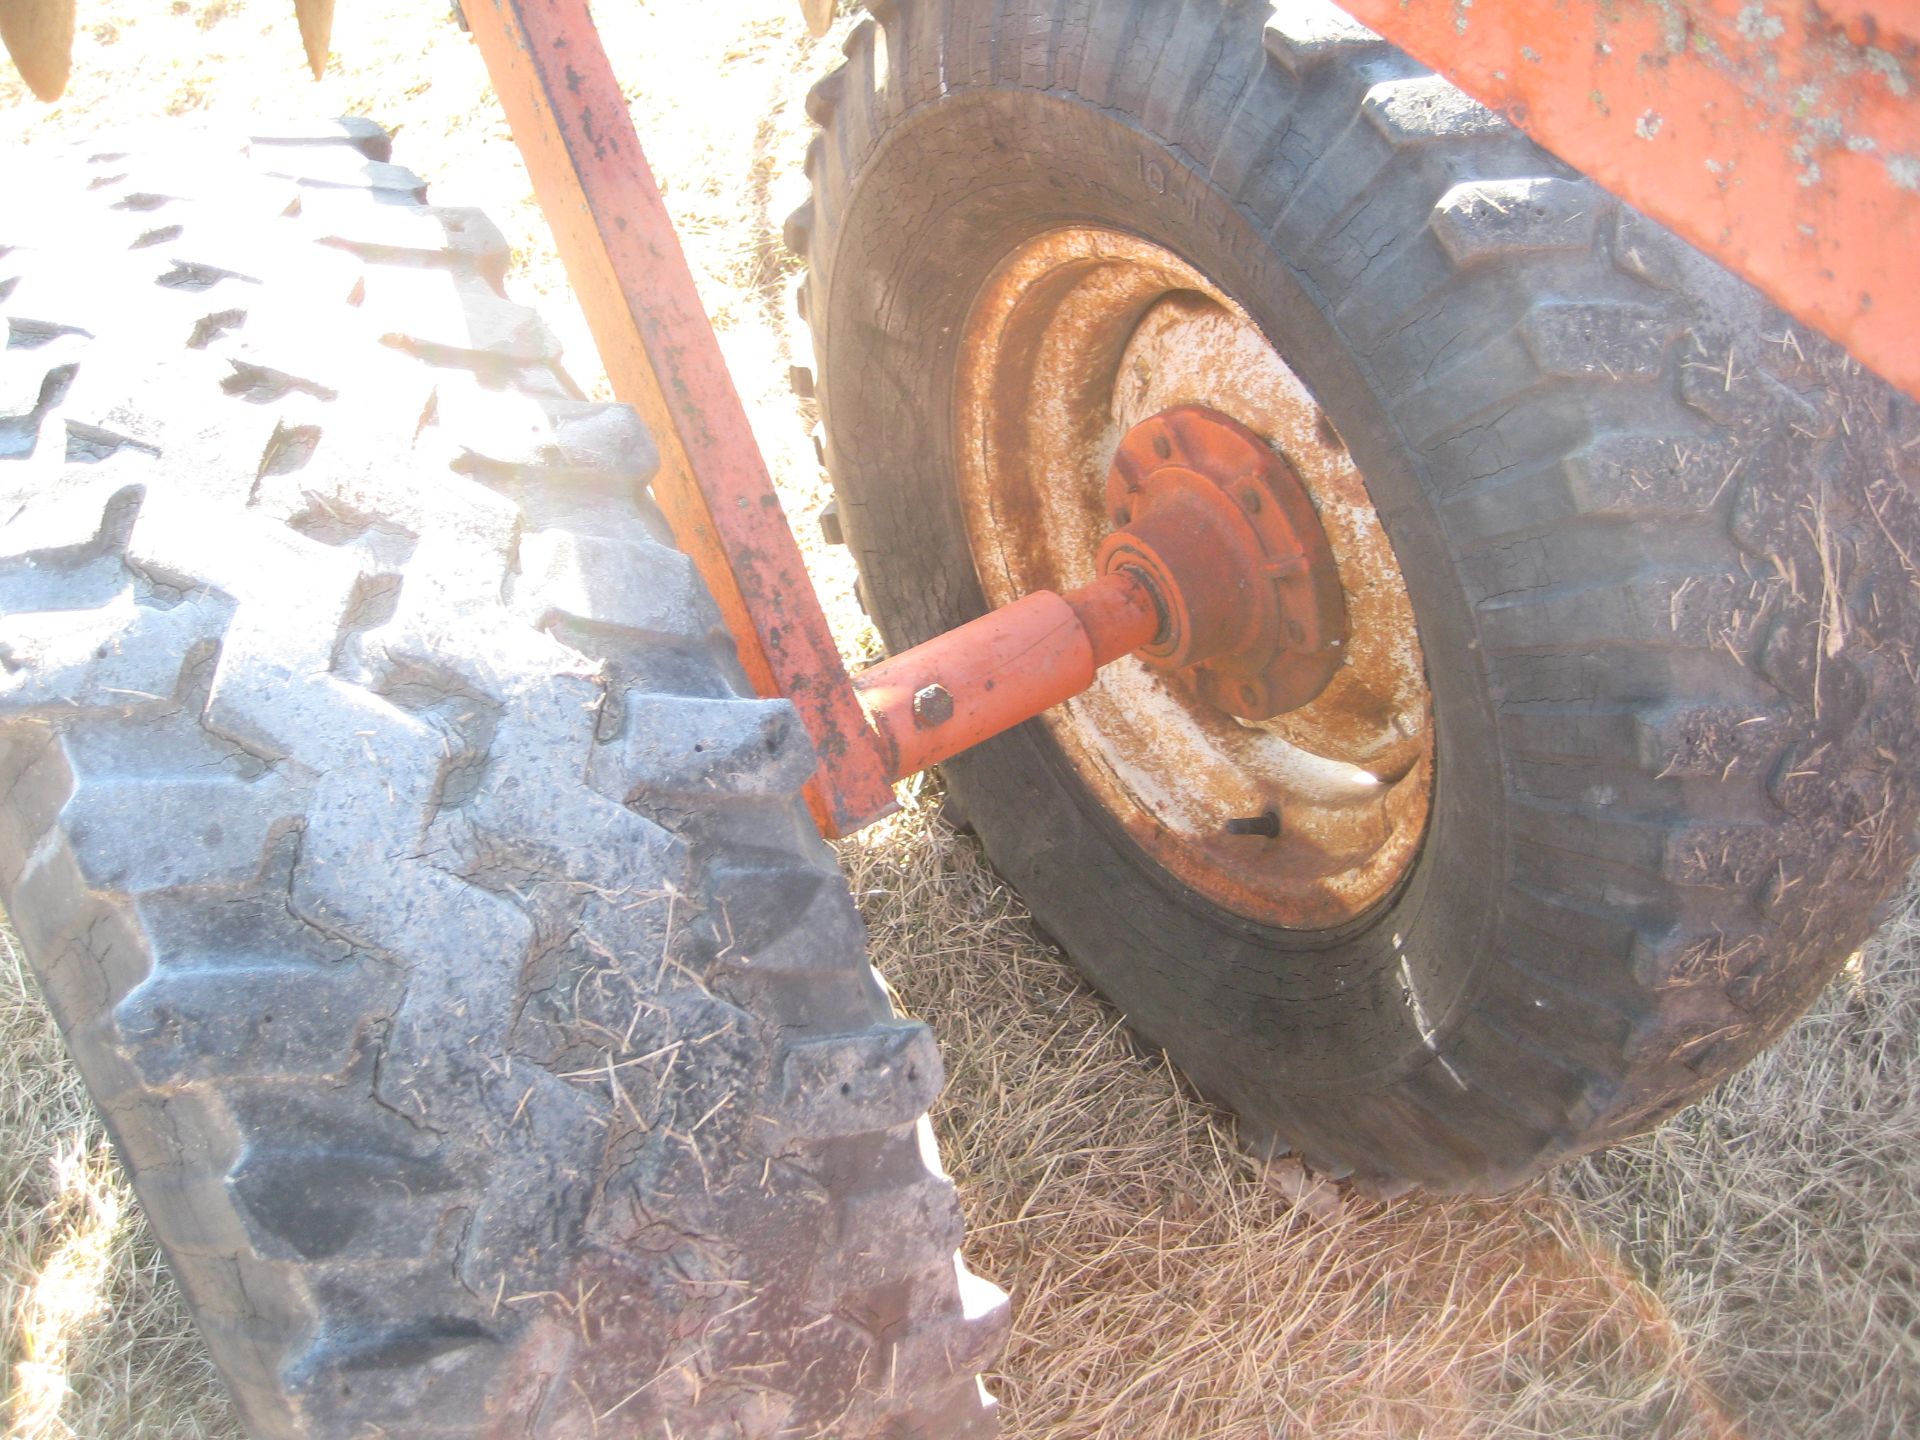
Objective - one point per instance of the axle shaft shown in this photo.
(970, 684)
(1219, 576)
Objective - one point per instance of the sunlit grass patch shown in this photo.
(94, 1337)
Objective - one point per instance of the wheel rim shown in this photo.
(1078, 336)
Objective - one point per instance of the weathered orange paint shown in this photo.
(1219, 561)
(1222, 529)
(625, 263)
(1782, 137)
(989, 675)
(1116, 615)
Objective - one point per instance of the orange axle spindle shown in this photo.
(970, 684)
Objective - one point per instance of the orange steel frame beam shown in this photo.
(624, 260)
(1782, 137)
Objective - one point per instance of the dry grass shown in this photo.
(1781, 1221)
(93, 1334)
(1748, 1270)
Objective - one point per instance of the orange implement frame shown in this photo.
(1782, 137)
(618, 244)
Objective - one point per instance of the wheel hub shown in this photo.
(1224, 533)
(1303, 804)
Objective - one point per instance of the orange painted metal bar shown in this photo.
(986, 677)
(1782, 137)
(624, 260)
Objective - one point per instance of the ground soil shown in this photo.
(1749, 1269)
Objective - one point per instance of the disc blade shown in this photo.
(316, 29)
(39, 36)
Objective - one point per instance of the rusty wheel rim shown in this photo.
(1304, 821)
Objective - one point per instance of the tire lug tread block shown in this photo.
(317, 743)
(831, 1086)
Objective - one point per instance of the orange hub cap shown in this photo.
(1221, 528)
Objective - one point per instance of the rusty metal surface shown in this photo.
(1079, 336)
(1782, 137)
(1219, 576)
(625, 263)
(1229, 539)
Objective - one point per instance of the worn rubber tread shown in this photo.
(371, 771)
(1663, 503)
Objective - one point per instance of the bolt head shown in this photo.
(932, 705)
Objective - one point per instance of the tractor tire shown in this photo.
(429, 907)
(1658, 544)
